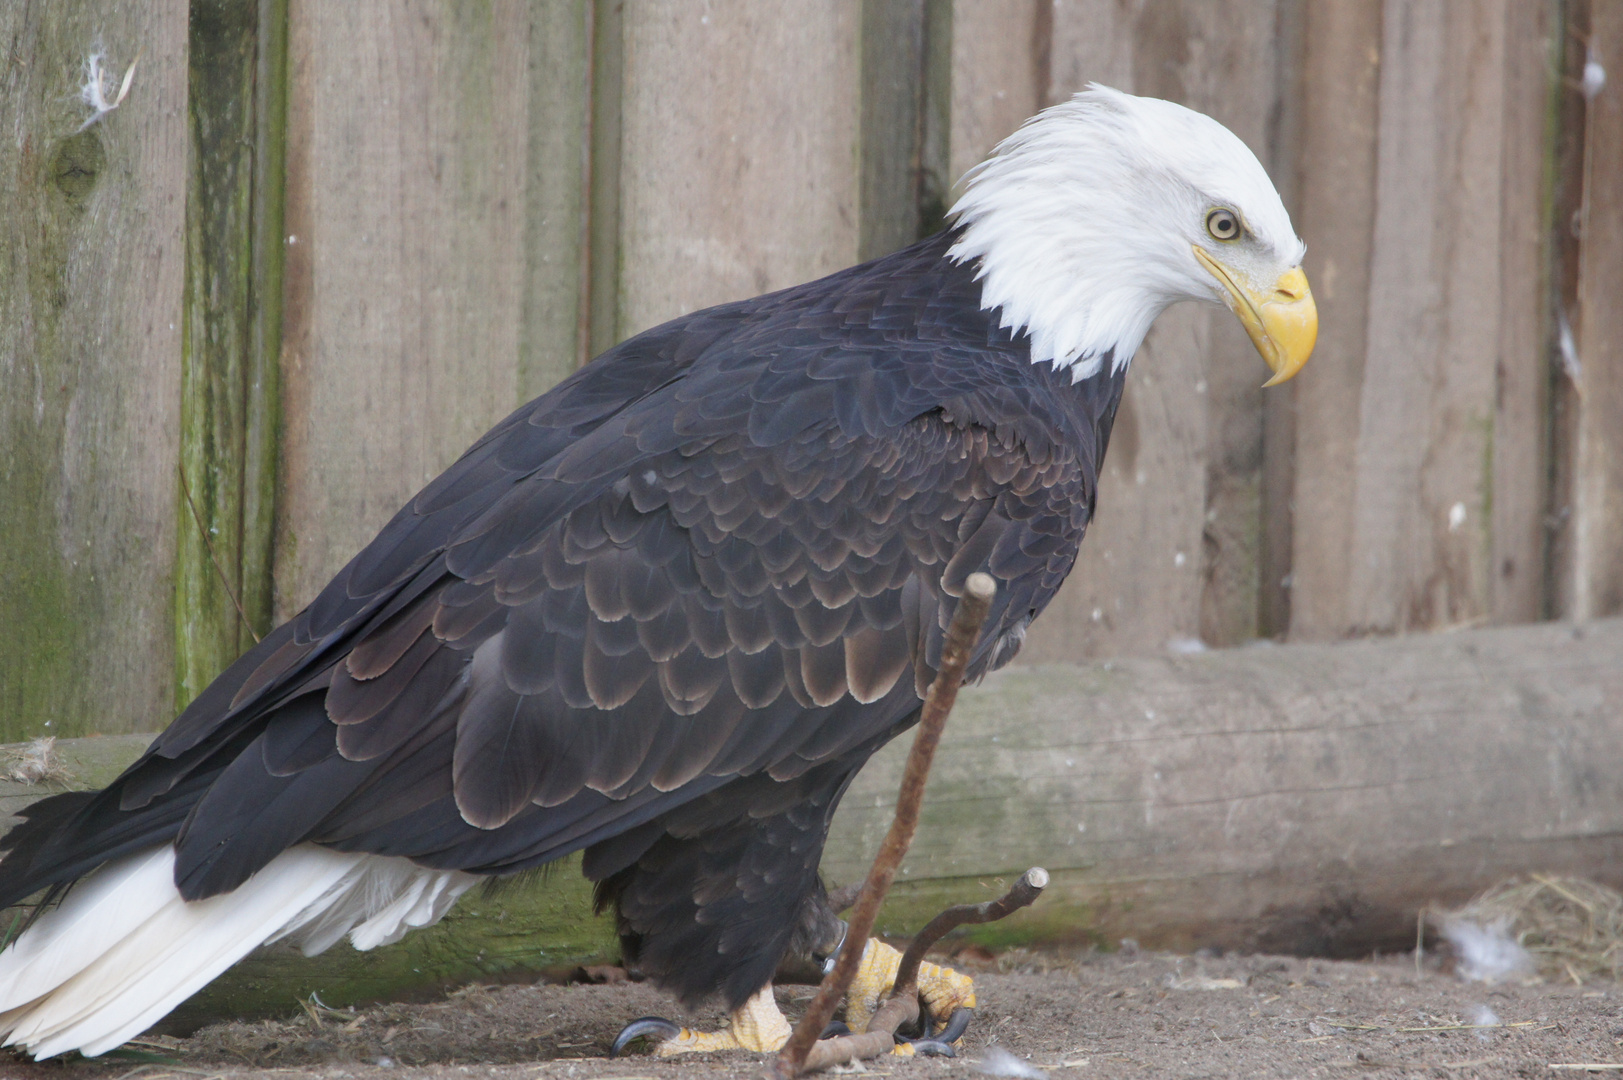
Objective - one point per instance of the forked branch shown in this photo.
(955, 653)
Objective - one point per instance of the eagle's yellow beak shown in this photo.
(1283, 321)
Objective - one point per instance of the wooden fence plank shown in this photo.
(1420, 540)
(91, 260)
(720, 198)
(553, 332)
(1521, 430)
(1568, 154)
(1174, 548)
(1335, 212)
(1000, 60)
(891, 45)
(605, 138)
(230, 362)
(1598, 489)
(407, 209)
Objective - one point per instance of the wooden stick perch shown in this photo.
(955, 653)
(1025, 891)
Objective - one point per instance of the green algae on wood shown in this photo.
(90, 301)
(232, 336)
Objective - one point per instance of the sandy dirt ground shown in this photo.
(1100, 1016)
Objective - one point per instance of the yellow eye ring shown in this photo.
(1223, 224)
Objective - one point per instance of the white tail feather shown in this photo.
(123, 948)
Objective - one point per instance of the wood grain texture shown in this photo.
(892, 47)
(1000, 57)
(553, 330)
(1421, 482)
(721, 197)
(1298, 799)
(91, 258)
(1521, 430)
(1567, 180)
(1173, 551)
(230, 362)
(406, 261)
(1598, 488)
(1277, 507)
(1335, 213)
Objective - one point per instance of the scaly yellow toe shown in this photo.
(758, 1026)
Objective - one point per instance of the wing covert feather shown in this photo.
(718, 552)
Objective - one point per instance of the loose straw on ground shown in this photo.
(955, 653)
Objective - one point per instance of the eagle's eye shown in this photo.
(1222, 224)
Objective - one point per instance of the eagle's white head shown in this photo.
(1103, 210)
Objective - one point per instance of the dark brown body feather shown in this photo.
(663, 613)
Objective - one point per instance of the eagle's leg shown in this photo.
(943, 991)
(756, 1025)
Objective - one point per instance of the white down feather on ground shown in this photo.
(123, 948)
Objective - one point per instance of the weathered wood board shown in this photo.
(1521, 429)
(1597, 525)
(92, 252)
(719, 198)
(1419, 542)
(1337, 146)
(480, 197)
(1296, 798)
(1000, 60)
(406, 215)
(553, 330)
(1293, 798)
(231, 346)
(1422, 150)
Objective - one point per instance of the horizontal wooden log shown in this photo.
(1303, 799)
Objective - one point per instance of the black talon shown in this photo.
(835, 1028)
(933, 1048)
(957, 1024)
(637, 1029)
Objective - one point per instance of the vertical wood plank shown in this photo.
(91, 258)
(1278, 507)
(262, 450)
(232, 333)
(1521, 433)
(1568, 154)
(891, 43)
(1419, 551)
(1172, 553)
(1000, 58)
(720, 198)
(1335, 213)
(605, 137)
(406, 261)
(905, 101)
(553, 332)
(1598, 503)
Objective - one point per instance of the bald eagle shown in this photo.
(663, 613)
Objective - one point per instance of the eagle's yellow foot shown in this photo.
(757, 1025)
(942, 990)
